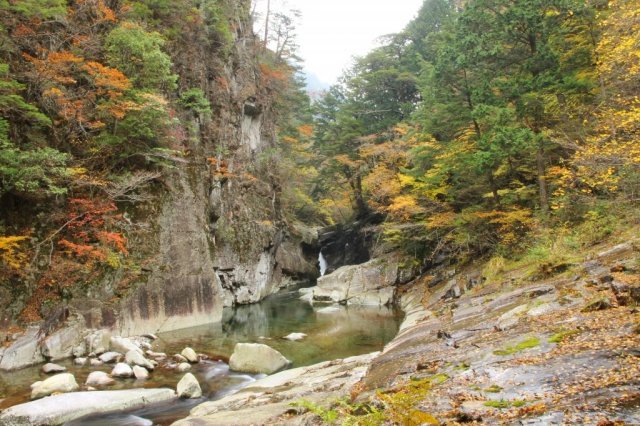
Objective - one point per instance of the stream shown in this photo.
(332, 332)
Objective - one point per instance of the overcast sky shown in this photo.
(331, 32)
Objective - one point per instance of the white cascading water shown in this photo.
(323, 264)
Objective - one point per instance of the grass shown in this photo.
(529, 343)
(504, 404)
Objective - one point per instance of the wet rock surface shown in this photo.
(59, 409)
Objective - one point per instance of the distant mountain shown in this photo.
(314, 84)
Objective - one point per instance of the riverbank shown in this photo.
(516, 349)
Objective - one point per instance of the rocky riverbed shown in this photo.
(300, 331)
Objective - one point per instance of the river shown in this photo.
(332, 333)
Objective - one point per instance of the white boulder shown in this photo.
(23, 352)
(188, 387)
(109, 357)
(190, 355)
(294, 337)
(52, 368)
(140, 373)
(257, 358)
(122, 370)
(123, 345)
(98, 342)
(99, 378)
(182, 367)
(59, 383)
(136, 358)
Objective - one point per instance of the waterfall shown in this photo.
(323, 264)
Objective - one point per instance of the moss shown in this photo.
(462, 367)
(494, 389)
(438, 378)
(529, 343)
(504, 404)
(561, 335)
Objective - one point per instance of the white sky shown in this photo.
(331, 32)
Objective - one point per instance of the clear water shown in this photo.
(343, 332)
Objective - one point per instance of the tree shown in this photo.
(139, 55)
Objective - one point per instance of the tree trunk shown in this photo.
(361, 205)
(266, 24)
(494, 187)
(542, 179)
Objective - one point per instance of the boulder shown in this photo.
(188, 387)
(157, 355)
(140, 373)
(110, 357)
(79, 350)
(370, 283)
(23, 352)
(294, 337)
(99, 378)
(80, 361)
(98, 342)
(180, 358)
(60, 409)
(136, 358)
(94, 362)
(190, 355)
(52, 368)
(122, 370)
(59, 383)
(257, 358)
(123, 345)
(182, 367)
(60, 344)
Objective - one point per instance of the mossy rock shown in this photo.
(597, 305)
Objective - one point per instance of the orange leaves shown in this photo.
(114, 239)
(306, 130)
(77, 105)
(107, 79)
(82, 251)
(107, 14)
(219, 168)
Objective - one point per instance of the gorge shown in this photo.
(448, 235)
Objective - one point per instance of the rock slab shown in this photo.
(59, 409)
(257, 358)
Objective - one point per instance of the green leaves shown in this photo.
(139, 55)
(196, 101)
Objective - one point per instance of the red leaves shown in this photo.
(87, 220)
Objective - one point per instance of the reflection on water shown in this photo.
(339, 333)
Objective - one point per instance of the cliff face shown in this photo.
(220, 239)
(209, 231)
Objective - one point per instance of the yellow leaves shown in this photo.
(441, 220)
(345, 160)
(404, 207)
(12, 253)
